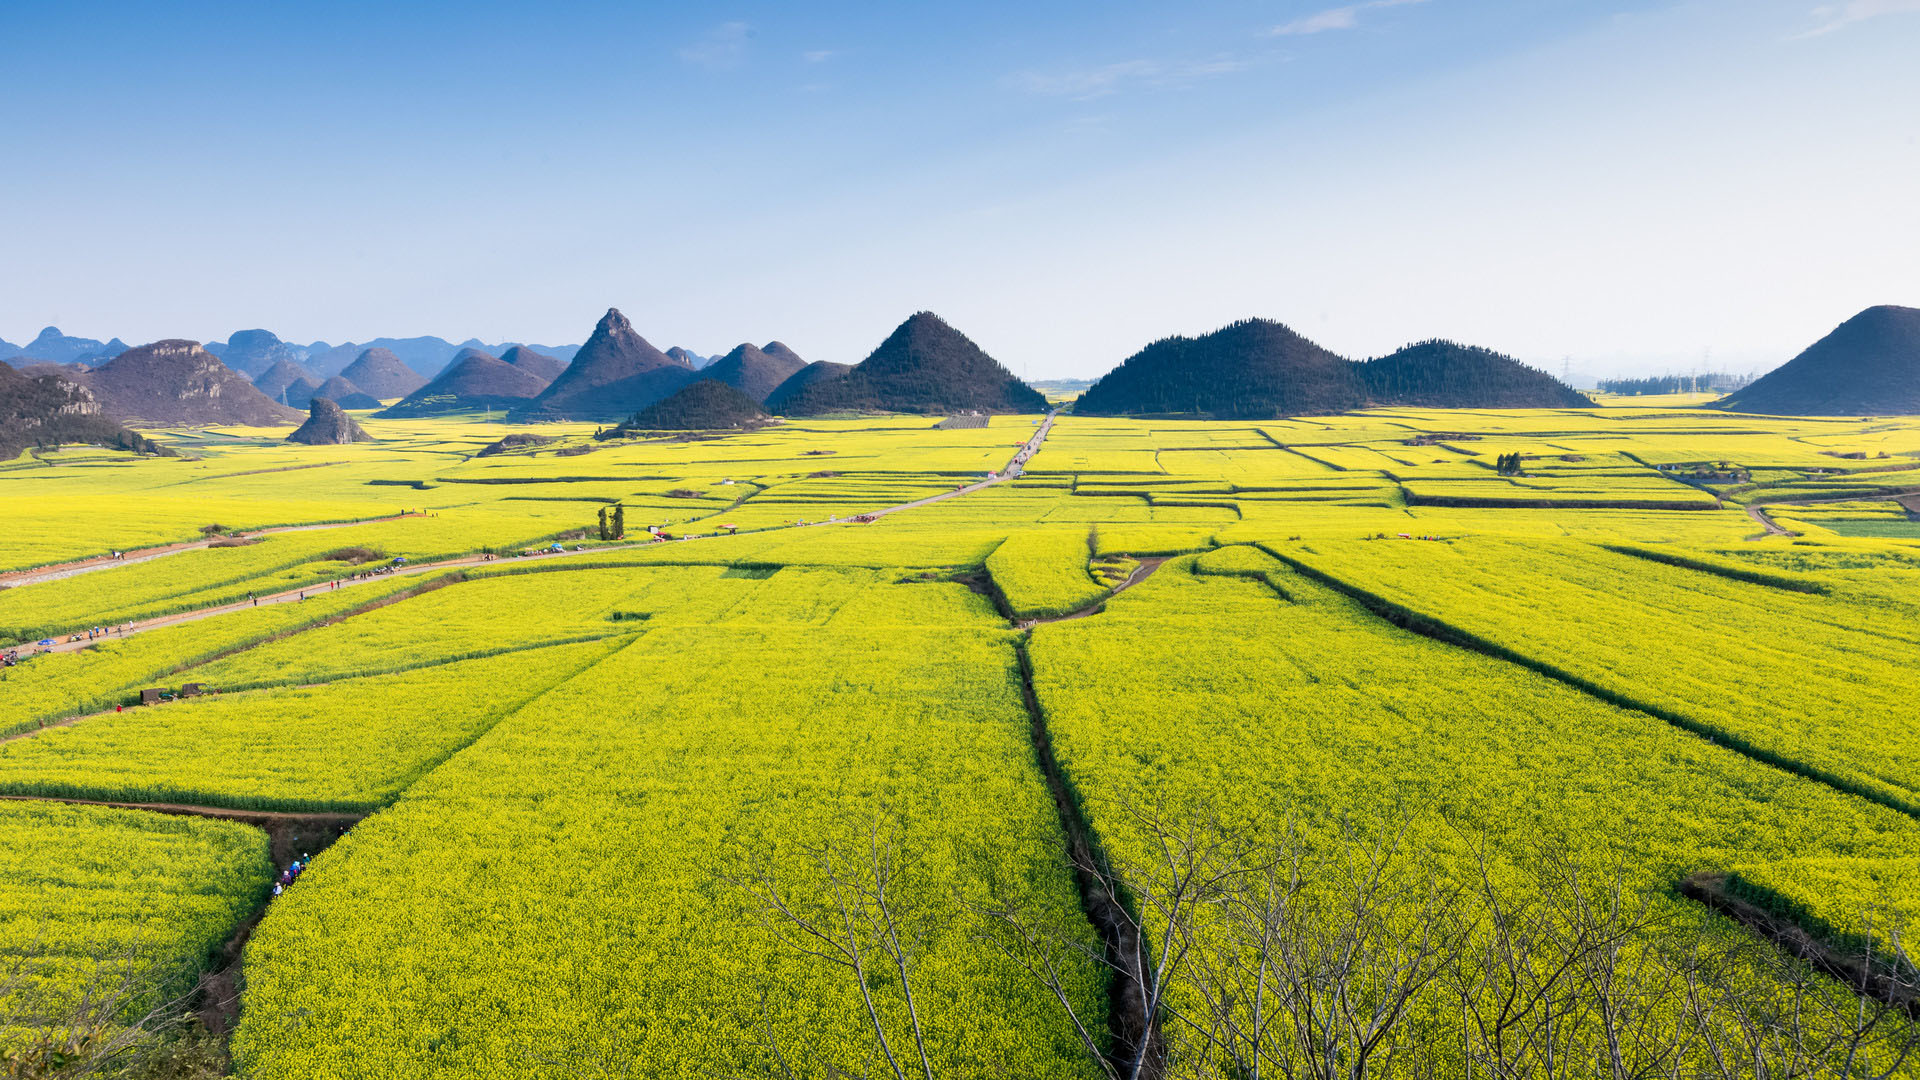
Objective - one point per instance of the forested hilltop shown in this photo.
(1446, 375)
(924, 366)
(1259, 369)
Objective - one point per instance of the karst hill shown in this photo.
(615, 374)
(1870, 364)
(1259, 369)
(924, 366)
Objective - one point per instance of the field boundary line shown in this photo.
(1447, 634)
(1115, 917)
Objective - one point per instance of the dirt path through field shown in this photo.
(1140, 573)
(1757, 509)
(1013, 469)
(56, 571)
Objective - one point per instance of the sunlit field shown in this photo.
(831, 744)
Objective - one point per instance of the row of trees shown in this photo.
(613, 526)
(1713, 382)
(1508, 464)
(1301, 960)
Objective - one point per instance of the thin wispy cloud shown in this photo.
(719, 49)
(1835, 16)
(1345, 17)
(818, 56)
(1086, 84)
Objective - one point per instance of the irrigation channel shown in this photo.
(217, 999)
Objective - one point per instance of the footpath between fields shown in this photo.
(56, 571)
(1013, 469)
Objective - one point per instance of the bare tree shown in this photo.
(128, 1019)
(854, 918)
(1251, 952)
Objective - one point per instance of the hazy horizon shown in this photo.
(1628, 188)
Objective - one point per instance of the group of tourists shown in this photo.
(98, 632)
(291, 874)
(9, 658)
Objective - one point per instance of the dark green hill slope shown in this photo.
(702, 406)
(1870, 364)
(1445, 375)
(1251, 370)
(924, 366)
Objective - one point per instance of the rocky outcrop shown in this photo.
(520, 440)
(48, 410)
(178, 382)
(328, 425)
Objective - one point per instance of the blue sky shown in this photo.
(1632, 185)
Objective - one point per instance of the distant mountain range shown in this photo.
(1259, 369)
(1870, 364)
(252, 352)
(1254, 369)
(54, 347)
(477, 379)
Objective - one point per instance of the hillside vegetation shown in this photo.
(1259, 369)
(924, 366)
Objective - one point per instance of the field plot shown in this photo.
(114, 902)
(1810, 682)
(606, 817)
(346, 746)
(582, 771)
(44, 687)
(1289, 711)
